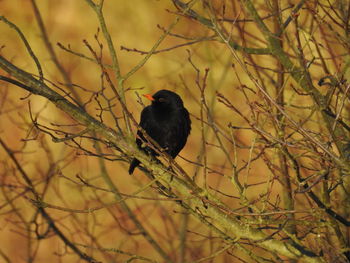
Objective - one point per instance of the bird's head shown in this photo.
(165, 99)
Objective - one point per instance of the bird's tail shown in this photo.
(133, 165)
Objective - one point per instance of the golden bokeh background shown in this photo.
(134, 25)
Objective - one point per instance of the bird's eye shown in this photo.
(162, 100)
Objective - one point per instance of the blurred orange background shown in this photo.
(132, 24)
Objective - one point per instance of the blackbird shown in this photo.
(166, 121)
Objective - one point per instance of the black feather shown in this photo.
(167, 122)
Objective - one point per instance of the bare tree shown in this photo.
(264, 177)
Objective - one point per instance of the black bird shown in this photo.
(166, 121)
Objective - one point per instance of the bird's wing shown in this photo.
(186, 122)
(178, 133)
